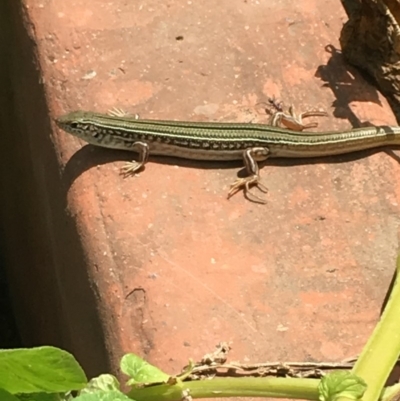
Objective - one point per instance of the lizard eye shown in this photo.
(74, 125)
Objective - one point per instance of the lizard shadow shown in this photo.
(90, 156)
(349, 85)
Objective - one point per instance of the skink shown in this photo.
(218, 141)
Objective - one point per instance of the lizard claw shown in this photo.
(130, 168)
(245, 184)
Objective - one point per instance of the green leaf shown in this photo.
(6, 396)
(43, 397)
(40, 370)
(341, 384)
(103, 396)
(140, 371)
(103, 382)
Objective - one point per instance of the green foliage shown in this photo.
(103, 382)
(45, 397)
(140, 371)
(341, 385)
(6, 396)
(103, 395)
(40, 370)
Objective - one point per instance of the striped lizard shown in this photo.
(221, 141)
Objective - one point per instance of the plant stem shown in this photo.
(383, 347)
(231, 387)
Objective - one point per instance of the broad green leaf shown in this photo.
(341, 384)
(40, 370)
(103, 382)
(103, 396)
(43, 397)
(140, 371)
(6, 396)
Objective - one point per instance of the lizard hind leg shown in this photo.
(250, 158)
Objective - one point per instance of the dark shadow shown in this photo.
(48, 277)
(346, 84)
(91, 156)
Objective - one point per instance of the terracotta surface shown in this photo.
(162, 264)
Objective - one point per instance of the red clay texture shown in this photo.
(162, 264)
